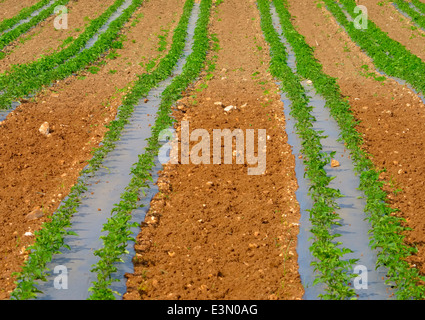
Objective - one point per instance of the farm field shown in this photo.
(212, 150)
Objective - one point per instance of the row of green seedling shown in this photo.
(415, 16)
(331, 269)
(18, 73)
(388, 55)
(50, 238)
(118, 227)
(12, 35)
(419, 5)
(386, 227)
(23, 14)
(23, 80)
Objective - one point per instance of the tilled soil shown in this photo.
(9, 8)
(213, 231)
(44, 39)
(38, 171)
(391, 115)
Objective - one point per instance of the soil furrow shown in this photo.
(213, 231)
(391, 115)
(37, 171)
(44, 39)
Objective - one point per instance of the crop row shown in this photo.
(332, 270)
(18, 73)
(118, 226)
(23, 80)
(50, 238)
(12, 35)
(419, 5)
(387, 230)
(388, 55)
(416, 17)
(23, 14)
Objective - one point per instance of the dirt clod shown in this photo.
(44, 129)
(334, 163)
(36, 213)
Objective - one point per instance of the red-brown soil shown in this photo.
(44, 39)
(391, 115)
(9, 8)
(213, 231)
(38, 171)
